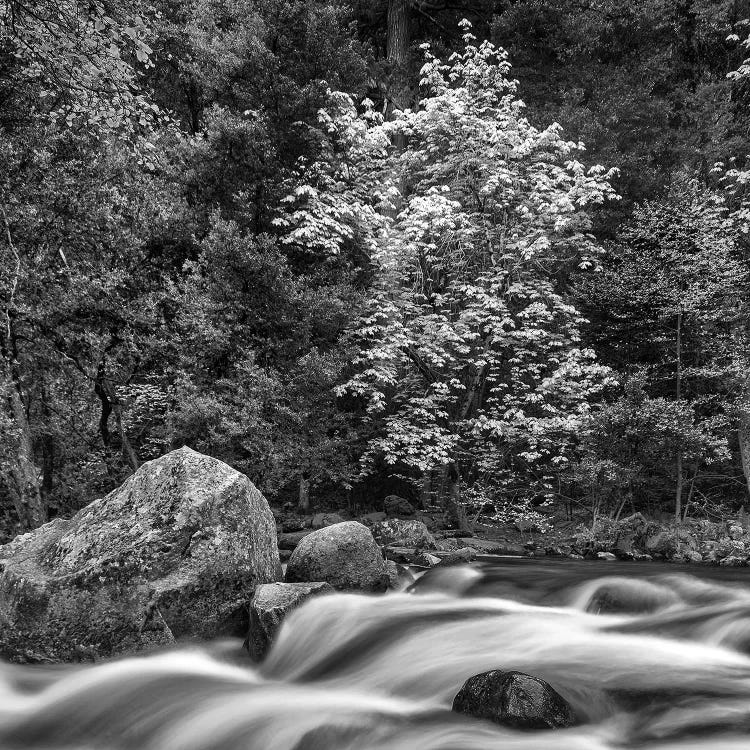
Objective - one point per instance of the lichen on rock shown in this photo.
(176, 551)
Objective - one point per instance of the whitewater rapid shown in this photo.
(656, 661)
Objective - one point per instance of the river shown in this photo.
(649, 656)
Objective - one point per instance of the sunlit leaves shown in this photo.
(469, 352)
(85, 60)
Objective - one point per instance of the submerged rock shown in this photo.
(176, 551)
(271, 603)
(622, 595)
(513, 699)
(344, 555)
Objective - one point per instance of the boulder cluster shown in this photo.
(188, 548)
(695, 541)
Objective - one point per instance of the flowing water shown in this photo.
(649, 656)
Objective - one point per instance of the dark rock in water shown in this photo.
(271, 603)
(631, 596)
(344, 555)
(398, 506)
(513, 699)
(398, 533)
(176, 551)
(321, 520)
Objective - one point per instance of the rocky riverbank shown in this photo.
(188, 547)
(421, 538)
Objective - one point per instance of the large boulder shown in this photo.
(271, 603)
(397, 533)
(176, 551)
(513, 699)
(344, 555)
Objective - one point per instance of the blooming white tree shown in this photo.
(470, 360)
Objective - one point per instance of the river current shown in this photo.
(649, 656)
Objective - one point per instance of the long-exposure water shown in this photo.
(649, 656)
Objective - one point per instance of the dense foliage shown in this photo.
(340, 247)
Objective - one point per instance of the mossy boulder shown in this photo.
(175, 552)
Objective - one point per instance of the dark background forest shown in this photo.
(289, 235)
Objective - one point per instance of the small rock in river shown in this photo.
(513, 699)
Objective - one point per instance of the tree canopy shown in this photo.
(489, 254)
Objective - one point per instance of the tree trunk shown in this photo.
(303, 505)
(128, 451)
(455, 510)
(743, 436)
(48, 452)
(22, 471)
(111, 405)
(425, 493)
(398, 45)
(678, 394)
